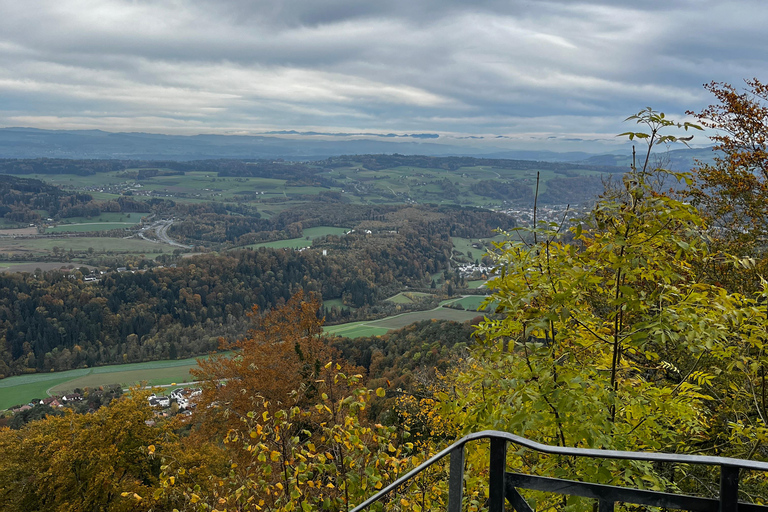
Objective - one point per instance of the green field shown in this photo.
(470, 302)
(400, 298)
(292, 243)
(396, 322)
(89, 226)
(99, 244)
(303, 241)
(130, 218)
(478, 283)
(127, 378)
(23, 388)
(382, 326)
(464, 245)
(329, 303)
(356, 330)
(407, 297)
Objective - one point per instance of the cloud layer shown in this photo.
(552, 74)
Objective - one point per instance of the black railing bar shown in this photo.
(412, 473)
(611, 493)
(560, 450)
(618, 494)
(621, 455)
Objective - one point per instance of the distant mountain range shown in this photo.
(97, 144)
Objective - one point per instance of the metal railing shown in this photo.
(504, 485)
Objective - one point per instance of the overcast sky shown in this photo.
(506, 73)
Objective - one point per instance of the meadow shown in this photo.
(45, 246)
(303, 241)
(383, 325)
(23, 388)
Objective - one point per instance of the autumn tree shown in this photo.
(94, 461)
(732, 191)
(611, 338)
(277, 362)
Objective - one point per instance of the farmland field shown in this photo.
(23, 388)
(376, 327)
(291, 243)
(470, 302)
(464, 245)
(356, 330)
(99, 244)
(298, 243)
(130, 218)
(407, 297)
(330, 303)
(89, 226)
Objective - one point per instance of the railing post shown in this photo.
(456, 479)
(498, 464)
(729, 489)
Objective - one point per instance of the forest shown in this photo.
(639, 326)
(54, 321)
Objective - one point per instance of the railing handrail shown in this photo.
(564, 450)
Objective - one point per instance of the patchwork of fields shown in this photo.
(383, 325)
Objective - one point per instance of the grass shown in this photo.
(301, 242)
(23, 393)
(23, 388)
(478, 283)
(99, 244)
(292, 243)
(324, 231)
(127, 378)
(329, 303)
(89, 226)
(396, 322)
(356, 330)
(382, 326)
(470, 303)
(129, 218)
(464, 245)
(407, 297)
(400, 298)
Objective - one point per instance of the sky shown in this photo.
(557, 75)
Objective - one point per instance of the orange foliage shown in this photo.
(278, 362)
(732, 192)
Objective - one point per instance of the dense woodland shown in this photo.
(57, 321)
(639, 327)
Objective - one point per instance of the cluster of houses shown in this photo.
(472, 270)
(183, 397)
(51, 401)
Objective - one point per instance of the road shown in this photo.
(160, 228)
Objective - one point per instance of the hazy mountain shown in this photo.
(97, 144)
(85, 144)
(676, 159)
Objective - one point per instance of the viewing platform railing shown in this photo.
(504, 485)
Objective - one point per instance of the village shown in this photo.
(87, 400)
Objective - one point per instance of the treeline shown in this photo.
(401, 358)
(21, 199)
(292, 171)
(512, 190)
(452, 163)
(226, 224)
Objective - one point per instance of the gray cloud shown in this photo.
(525, 70)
